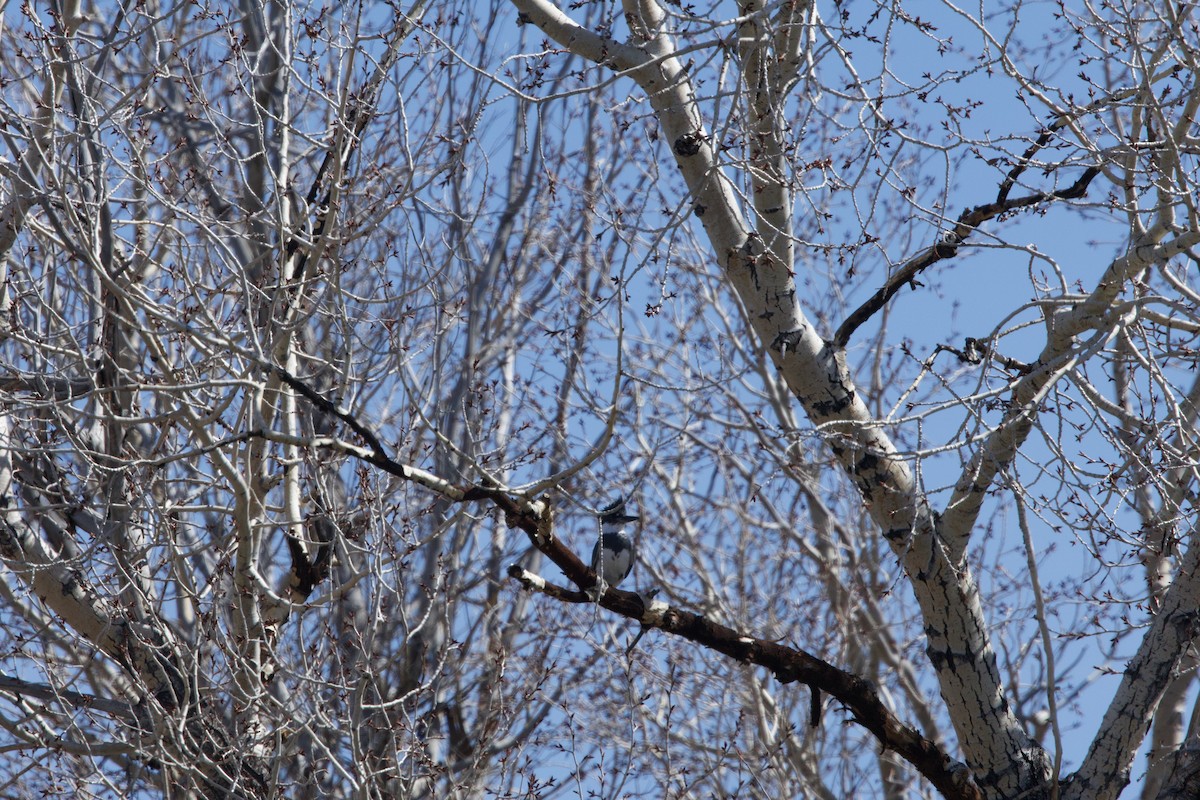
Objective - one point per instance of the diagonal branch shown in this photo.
(970, 220)
(1105, 770)
(361, 109)
(16, 687)
(148, 651)
(788, 665)
(1057, 357)
(967, 223)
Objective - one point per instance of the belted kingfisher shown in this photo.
(615, 543)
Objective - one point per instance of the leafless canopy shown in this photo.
(324, 332)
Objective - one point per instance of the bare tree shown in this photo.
(213, 211)
(747, 120)
(320, 322)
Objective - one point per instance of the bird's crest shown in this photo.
(615, 512)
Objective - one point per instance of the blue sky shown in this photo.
(933, 85)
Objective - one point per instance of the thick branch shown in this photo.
(1105, 769)
(766, 164)
(1092, 313)
(1183, 779)
(788, 665)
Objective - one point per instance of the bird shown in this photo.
(615, 543)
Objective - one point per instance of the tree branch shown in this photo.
(966, 224)
(1057, 357)
(1104, 772)
(362, 106)
(788, 665)
(1183, 780)
(78, 700)
(818, 375)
